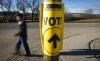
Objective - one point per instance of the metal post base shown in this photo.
(51, 58)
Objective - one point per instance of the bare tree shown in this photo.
(21, 5)
(7, 4)
(2, 8)
(67, 14)
(89, 11)
(1, 4)
(33, 5)
(14, 6)
(0, 1)
(65, 10)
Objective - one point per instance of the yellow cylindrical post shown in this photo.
(51, 28)
(41, 21)
(62, 26)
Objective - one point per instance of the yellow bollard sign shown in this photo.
(52, 28)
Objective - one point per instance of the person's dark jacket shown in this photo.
(22, 29)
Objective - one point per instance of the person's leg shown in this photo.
(18, 44)
(26, 46)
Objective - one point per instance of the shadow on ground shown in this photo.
(32, 55)
(92, 52)
(82, 52)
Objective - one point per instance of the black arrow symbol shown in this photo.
(54, 39)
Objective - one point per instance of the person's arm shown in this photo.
(17, 34)
(21, 27)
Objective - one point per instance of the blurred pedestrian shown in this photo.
(22, 33)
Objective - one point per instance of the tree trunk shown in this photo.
(32, 16)
(11, 16)
(4, 17)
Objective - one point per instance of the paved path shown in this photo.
(81, 42)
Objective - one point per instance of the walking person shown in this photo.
(22, 33)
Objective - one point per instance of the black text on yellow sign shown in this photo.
(52, 20)
(53, 7)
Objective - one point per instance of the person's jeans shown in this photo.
(25, 44)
